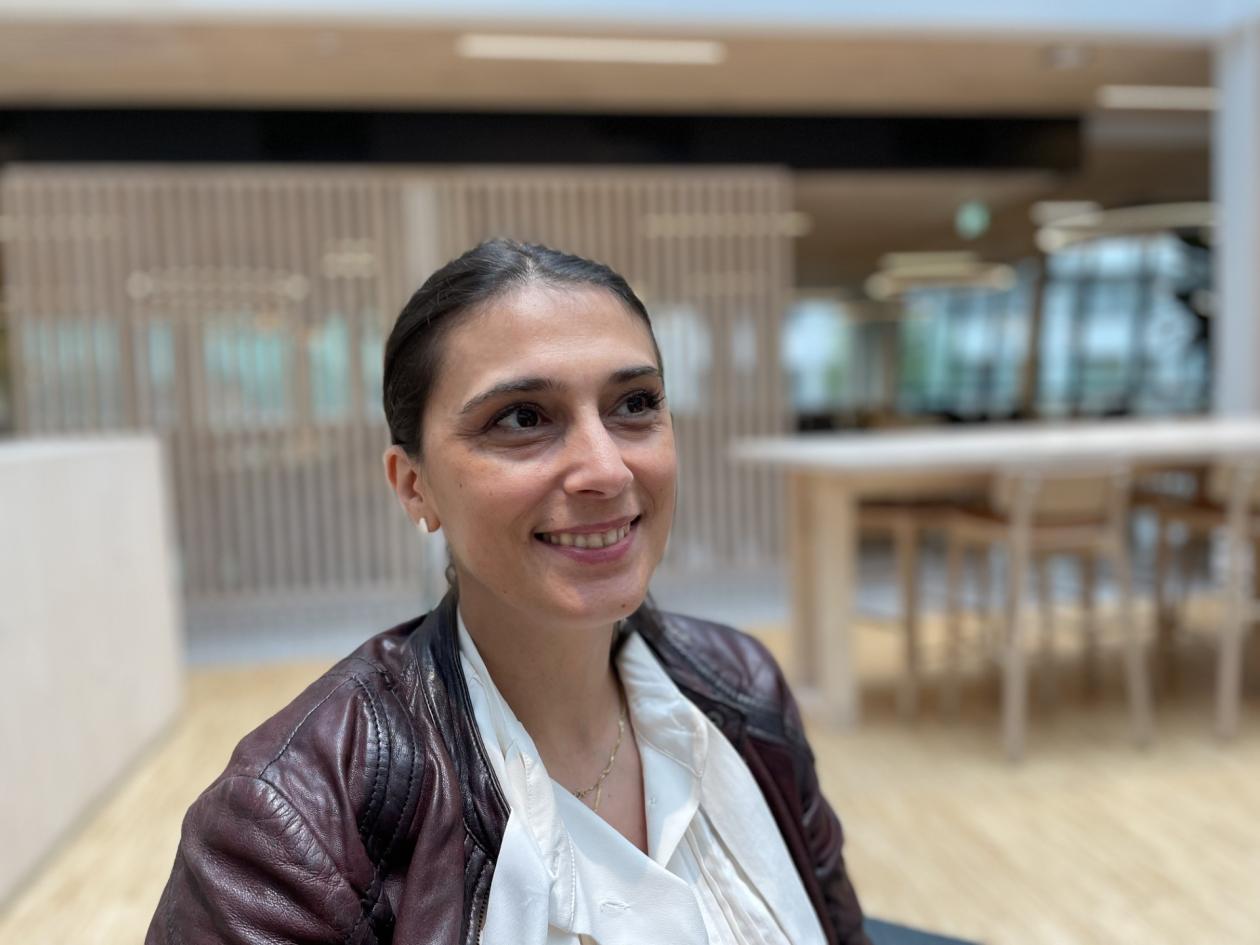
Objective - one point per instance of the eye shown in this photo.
(518, 417)
(640, 402)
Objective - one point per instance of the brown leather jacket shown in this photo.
(366, 811)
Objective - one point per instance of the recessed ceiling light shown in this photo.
(1176, 98)
(903, 272)
(1066, 57)
(919, 260)
(1044, 212)
(1127, 221)
(683, 52)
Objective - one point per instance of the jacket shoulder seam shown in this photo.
(371, 811)
(293, 733)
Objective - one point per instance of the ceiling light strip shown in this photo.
(1176, 98)
(680, 52)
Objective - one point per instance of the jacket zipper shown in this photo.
(481, 922)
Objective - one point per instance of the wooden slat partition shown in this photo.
(241, 312)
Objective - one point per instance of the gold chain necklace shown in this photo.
(598, 786)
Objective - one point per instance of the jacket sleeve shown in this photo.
(289, 844)
(825, 839)
(249, 869)
(823, 835)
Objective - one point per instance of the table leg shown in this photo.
(803, 624)
(835, 546)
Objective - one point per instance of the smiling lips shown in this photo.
(588, 539)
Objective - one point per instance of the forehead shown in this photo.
(544, 330)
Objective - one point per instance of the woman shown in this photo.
(543, 758)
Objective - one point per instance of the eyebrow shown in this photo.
(530, 385)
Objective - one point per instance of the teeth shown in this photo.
(595, 540)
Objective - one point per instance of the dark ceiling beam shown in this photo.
(804, 142)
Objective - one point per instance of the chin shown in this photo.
(604, 605)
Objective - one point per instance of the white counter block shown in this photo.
(90, 631)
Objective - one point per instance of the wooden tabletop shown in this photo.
(979, 448)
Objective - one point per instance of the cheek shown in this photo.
(489, 497)
(657, 470)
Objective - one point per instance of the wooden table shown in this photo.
(830, 473)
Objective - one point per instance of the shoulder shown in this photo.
(722, 664)
(291, 840)
(738, 659)
(344, 752)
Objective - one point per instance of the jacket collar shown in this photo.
(435, 645)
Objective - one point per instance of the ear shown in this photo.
(406, 478)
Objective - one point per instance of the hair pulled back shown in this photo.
(484, 273)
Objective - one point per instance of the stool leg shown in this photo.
(1229, 662)
(1136, 672)
(1166, 611)
(1045, 598)
(985, 603)
(1014, 670)
(954, 552)
(1089, 624)
(907, 544)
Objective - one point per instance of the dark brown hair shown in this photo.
(484, 273)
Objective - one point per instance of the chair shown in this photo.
(1230, 502)
(905, 521)
(1031, 515)
(1156, 491)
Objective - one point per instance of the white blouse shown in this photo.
(717, 871)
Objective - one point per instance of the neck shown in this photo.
(559, 682)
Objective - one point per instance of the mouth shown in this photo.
(595, 537)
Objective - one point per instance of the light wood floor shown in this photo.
(1088, 841)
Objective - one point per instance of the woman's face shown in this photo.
(548, 456)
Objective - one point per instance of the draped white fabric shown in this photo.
(717, 870)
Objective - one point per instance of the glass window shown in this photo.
(247, 365)
(815, 346)
(73, 370)
(687, 350)
(159, 340)
(372, 357)
(328, 348)
(1122, 336)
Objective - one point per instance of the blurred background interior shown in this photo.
(960, 314)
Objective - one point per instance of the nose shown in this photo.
(595, 463)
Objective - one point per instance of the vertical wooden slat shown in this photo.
(347, 300)
(274, 257)
(398, 277)
(357, 202)
(295, 540)
(17, 267)
(314, 239)
(111, 262)
(290, 267)
(44, 218)
(78, 254)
